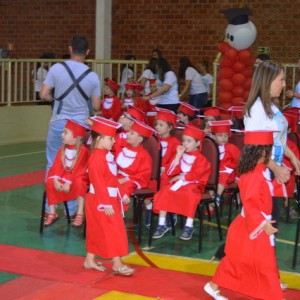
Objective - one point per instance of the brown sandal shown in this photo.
(78, 221)
(51, 218)
(123, 271)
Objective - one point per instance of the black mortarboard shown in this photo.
(237, 16)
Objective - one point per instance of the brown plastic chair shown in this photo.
(139, 196)
(211, 151)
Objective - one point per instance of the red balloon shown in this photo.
(250, 62)
(225, 106)
(247, 83)
(223, 47)
(225, 115)
(238, 91)
(225, 62)
(231, 54)
(237, 101)
(225, 73)
(225, 97)
(238, 66)
(226, 85)
(244, 55)
(248, 72)
(238, 79)
(246, 95)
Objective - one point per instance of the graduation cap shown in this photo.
(194, 132)
(166, 115)
(259, 137)
(237, 16)
(220, 126)
(142, 129)
(76, 128)
(104, 126)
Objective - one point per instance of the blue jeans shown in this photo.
(198, 100)
(53, 143)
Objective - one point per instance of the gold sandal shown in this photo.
(123, 271)
(51, 218)
(78, 221)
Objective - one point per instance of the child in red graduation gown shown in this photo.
(186, 114)
(111, 104)
(228, 154)
(190, 171)
(134, 162)
(106, 232)
(249, 265)
(67, 178)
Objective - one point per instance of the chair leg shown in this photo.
(288, 208)
(43, 213)
(135, 203)
(218, 221)
(140, 203)
(200, 212)
(67, 212)
(170, 216)
(150, 230)
(296, 243)
(230, 208)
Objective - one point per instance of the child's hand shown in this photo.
(180, 150)
(125, 200)
(57, 185)
(269, 229)
(109, 211)
(88, 122)
(66, 187)
(175, 178)
(123, 180)
(162, 170)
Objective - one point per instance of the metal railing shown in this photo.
(17, 76)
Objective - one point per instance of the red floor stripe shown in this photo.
(22, 180)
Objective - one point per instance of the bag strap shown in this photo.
(74, 85)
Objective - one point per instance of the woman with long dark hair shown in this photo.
(193, 83)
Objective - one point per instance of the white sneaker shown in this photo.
(283, 286)
(215, 294)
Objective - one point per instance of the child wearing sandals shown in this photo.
(106, 232)
(67, 178)
(190, 171)
(249, 265)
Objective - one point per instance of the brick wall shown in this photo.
(178, 27)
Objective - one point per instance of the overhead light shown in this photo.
(3, 53)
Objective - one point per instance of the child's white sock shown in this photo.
(149, 206)
(189, 222)
(161, 220)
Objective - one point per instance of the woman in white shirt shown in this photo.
(167, 92)
(295, 94)
(193, 83)
(206, 77)
(148, 73)
(127, 74)
(262, 112)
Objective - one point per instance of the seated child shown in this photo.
(111, 104)
(210, 114)
(249, 265)
(105, 232)
(165, 121)
(129, 96)
(127, 119)
(186, 114)
(190, 171)
(236, 114)
(67, 178)
(228, 153)
(133, 160)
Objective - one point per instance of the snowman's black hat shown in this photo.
(237, 16)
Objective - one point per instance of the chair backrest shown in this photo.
(152, 145)
(177, 132)
(237, 138)
(211, 151)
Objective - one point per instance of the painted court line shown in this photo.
(22, 154)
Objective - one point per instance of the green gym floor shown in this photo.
(20, 219)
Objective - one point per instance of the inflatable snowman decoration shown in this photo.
(236, 64)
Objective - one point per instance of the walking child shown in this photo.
(249, 265)
(67, 178)
(106, 233)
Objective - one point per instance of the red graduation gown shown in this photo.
(111, 108)
(184, 200)
(229, 156)
(134, 163)
(105, 235)
(249, 266)
(169, 148)
(77, 177)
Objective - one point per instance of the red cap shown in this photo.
(194, 132)
(129, 86)
(260, 137)
(76, 128)
(136, 113)
(152, 81)
(142, 129)
(211, 111)
(292, 120)
(187, 109)
(166, 115)
(220, 126)
(112, 84)
(105, 126)
(138, 87)
(236, 111)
